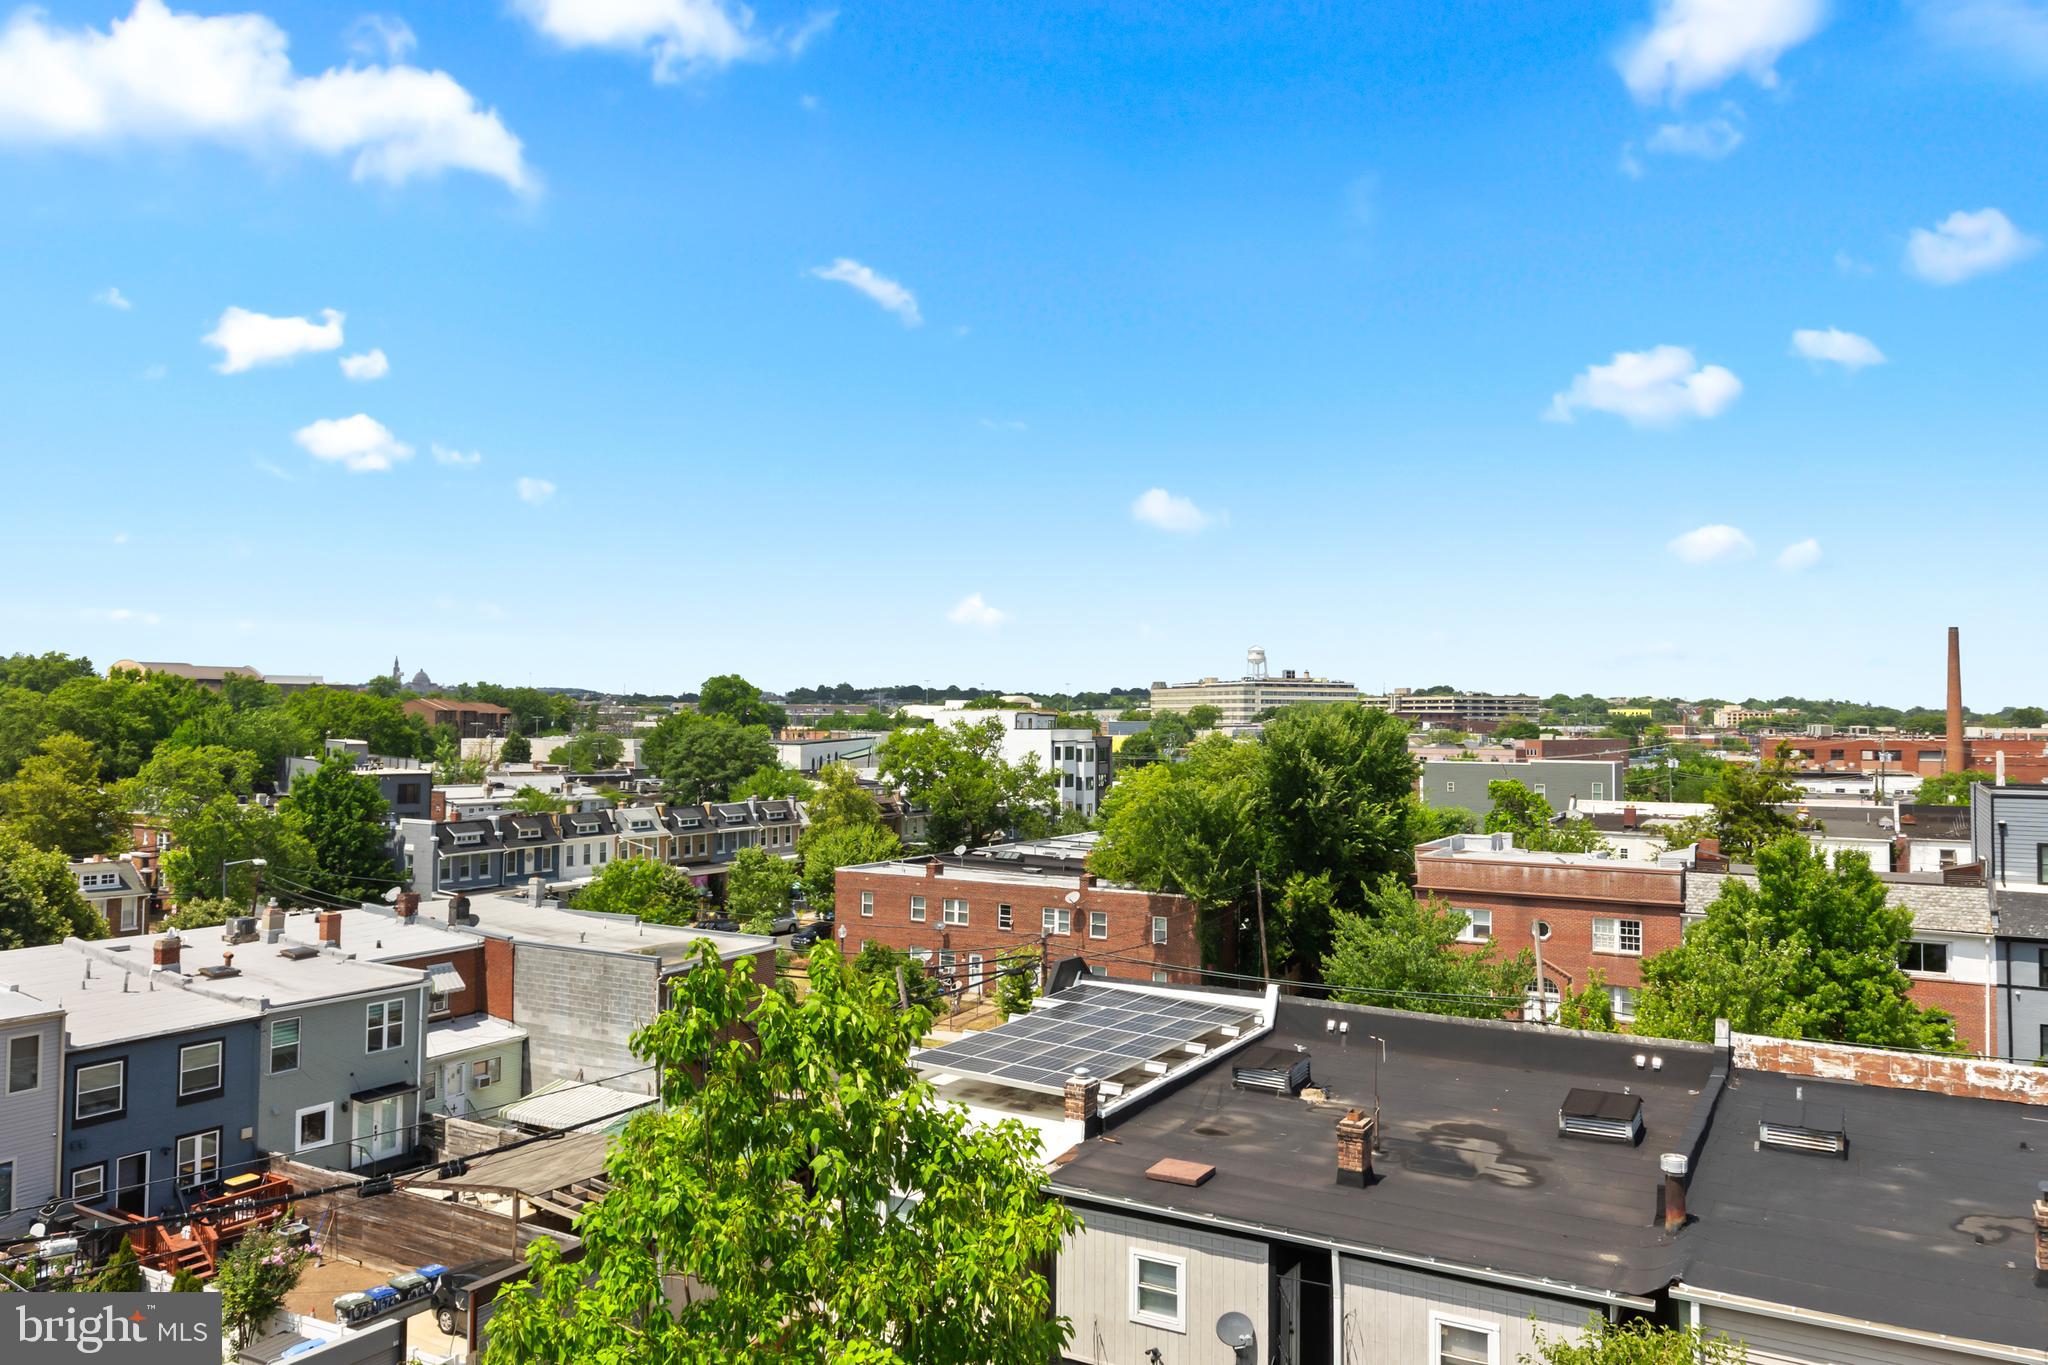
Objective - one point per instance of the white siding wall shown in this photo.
(1774, 1341)
(1094, 1288)
(28, 1124)
(1389, 1311)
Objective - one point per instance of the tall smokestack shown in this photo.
(1953, 760)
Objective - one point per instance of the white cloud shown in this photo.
(382, 35)
(971, 610)
(248, 339)
(1698, 44)
(1168, 512)
(371, 364)
(1964, 245)
(1709, 543)
(535, 491)
(1709, 139)
(273, 470)
(2013, 32)
(1847, 349)
(678, 35)
(169, 78)
(112, 297)
(1800, 555)
(449, 455)
(120, 537)
(122, 616)
(810, 104)
(1650, 388)
(883, 290)
(361, 442)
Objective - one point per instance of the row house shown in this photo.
(118, 891)
(31, 1107)
(971, 916)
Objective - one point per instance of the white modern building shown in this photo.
(1243, 700)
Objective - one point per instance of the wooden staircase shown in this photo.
(213, 1225)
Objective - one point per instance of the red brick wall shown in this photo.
(1964, 1000)
(469, 965)
(497, 977)
(1970, 1077)
(1129, 928)
(1567, 897)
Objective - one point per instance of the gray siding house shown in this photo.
(2009, 836)
(1461, 783)
(31, 1106)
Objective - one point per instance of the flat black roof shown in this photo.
(1927, 1224)
(1471, 1169)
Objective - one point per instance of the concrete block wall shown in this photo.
(580, 1010)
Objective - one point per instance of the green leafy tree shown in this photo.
(879, 963)
(1809, 951)
(1017, 982)
(517, 748)
(1517, 727)
(643, 888)
(2027, 717)
(1524, 813)
(702, 758)
(254, 1279)
(825, 851)
(1589, 1008)
(57, 801)
(1170, 732)
(122, 1274)
(1746, 805)
(839, 799)
(773, 783)
(1951, 789)
(125, 717)
(590, 752)
(185, 1282)
(1445, 737)
(537, 801)
(805, 1174)
(973, 796)
(324, 713)
(757, 888)
(1205, 716)
(342, 814)
(206, 840)
(39, 898)
(42, 672)
(735, 699)
(1407, 954)
(205, 913)
(1640, 1341)
(178, 780)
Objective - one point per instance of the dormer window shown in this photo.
(778, 815)
(735, 817)
(468, 837)
(586, 826)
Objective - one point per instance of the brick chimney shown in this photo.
(273, 921)
(1354, 1149)
(931, 868)
(1954, 761)
(1628, 817)
(330, 928)
(408, 904)
(1083, 1095)
(166, 951)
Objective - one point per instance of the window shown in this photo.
(1098, 924)
(953, 912)
(1618, 936)
(1058, 920)
(483, 1072)
(7, 1184)
(199, 1158)
(386, 1025)
(1003, 918)
(315, 1127)
(917, 909)
(1463, 1343)
(1156, 1290)
(1599, 791)
(1450, 788)
(1946, 857)
(1622, 999)
(430, 1085)
(131, 915)
(946, 963)
(1540, 788)
(867, 903)
(1159, 928)
(199, 1071)
(99, 1091)
(284, 1045)
(89, 1182)
(1479, 927)
(2041, 863)
(24, 1067)
(1159, 977)
(1928, 958)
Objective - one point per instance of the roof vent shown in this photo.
(299, 952)
(218, 972)
(240, 929)
(1799, 1125)
(1601, 1115)
(1283, 1073)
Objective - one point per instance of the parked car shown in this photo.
(783, 924)
(720, 924)
(806, 936)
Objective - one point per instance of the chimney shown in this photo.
(931, 868)
(1628, 817)
(1954, 762)
(273, 921)
(1083, 1095)
(536, 891)
(165, 953)
(330, 928)
(408, 905)
(458, 908)
(1675, 1165)
(1354, 1149)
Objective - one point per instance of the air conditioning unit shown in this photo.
(241, 929)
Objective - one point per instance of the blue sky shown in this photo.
(1458, 339)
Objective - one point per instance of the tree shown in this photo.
(538, 801)
(878, 962)
(185, 1282)
(1640, 1341)
(824, 851)
(735, 699)
(813, 1182)
(122, 1274)
(1590, 1008)
(178, 780)
(1017, 982)
(1517, 727)
(1950, 789)
(1808, 951)
(42, 672)
(517, 748)
(206, 840)
(324, 713)
(590, 752)
(1407, 954)
(1445, 736)
(1746, 801)
(701, 758)
(1527, 815)
(254, 1279)
(1170, 732)
(39, 898)
(342, 815)
(958, 774)
(1205, 716)
(643, 888)
(2026, 717)
(840, 799)
(757, 888)
(204, 913)
(56, 801)
(773, 783)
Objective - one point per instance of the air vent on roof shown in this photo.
(215, 973)
(1601, 1115)
(240, 929)
(1797, 1125)
(299, 952)
(1283, 1073)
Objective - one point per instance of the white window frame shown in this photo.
(1610, 935)
(918, 906)
(1003, 918)
(204, 1174)
(98, 1170)
(1622, 1000)
(1472, 933)
(953, 912)
(1057, 919)
(220, 1068)
(383, 1010)
(1098, 924)
(35, 1040)
(867, 904)
(1439, 1321)
(120, 1064)
(326, 1112)
(298, 1045)
(485, 1072)
(1159, 929)
(1178, 1320)
(131, 915)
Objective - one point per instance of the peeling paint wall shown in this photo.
(1967, 1077)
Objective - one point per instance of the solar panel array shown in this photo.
(1099, 1031)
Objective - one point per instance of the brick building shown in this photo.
(1589, 913)
(969, 915)
(469, 719)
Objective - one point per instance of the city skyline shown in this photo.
(1621, 350)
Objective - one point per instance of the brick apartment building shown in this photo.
(967, 916)
(2023, 758)
(468, 719)
(1589, 912)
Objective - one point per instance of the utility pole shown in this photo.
(1259, 899)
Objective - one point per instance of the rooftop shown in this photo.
(271, 975)
(471, 1031)
(514, 917)
(1500, 848)
(366, 935)
(110, 995)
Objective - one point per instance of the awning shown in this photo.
(383, 1092)
(443, 979)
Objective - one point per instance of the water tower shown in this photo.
(1255, 660)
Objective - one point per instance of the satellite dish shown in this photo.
(1235, 1330)
(959, 850)
(1073, 898)
(391, 896)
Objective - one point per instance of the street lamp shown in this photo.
(238, 862)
